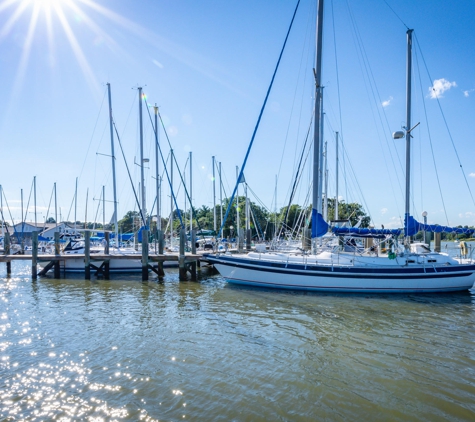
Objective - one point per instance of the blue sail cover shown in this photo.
(412, 227)
(319, 225)
(363, 232)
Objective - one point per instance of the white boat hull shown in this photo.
(345, 278)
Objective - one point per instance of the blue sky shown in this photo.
(208, 65)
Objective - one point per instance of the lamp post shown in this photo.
(424, 214)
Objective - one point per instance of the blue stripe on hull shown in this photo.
(344, 289)
(349, 272)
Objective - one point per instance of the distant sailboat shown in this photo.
(408, 268)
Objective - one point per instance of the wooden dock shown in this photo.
(187, 262)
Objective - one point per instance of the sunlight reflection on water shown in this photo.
(122, 349)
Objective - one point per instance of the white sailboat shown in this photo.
(405, 268)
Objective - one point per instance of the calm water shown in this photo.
(125, 350)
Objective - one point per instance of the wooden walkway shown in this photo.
(187, 262)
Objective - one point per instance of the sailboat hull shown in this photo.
(345, 278)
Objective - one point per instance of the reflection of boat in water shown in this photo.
(397, 269)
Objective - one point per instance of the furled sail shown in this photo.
(412, 226)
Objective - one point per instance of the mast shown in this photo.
(171, 197)
(408, 131)
(221, 199)
(55, 207)
(317, 203)
(1, 209)
(191, 194)
(114, 188)
(336, 176)
(325, 203)
(34, 198)
(142, 176)
(104, 209)
(214, 196)
(237, 202)
(75, 204)
(157, 181)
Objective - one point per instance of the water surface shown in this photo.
(125, 350)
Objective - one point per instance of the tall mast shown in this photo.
(191, 193)
(221, 199)
(171, 197)
(114, 188)
(214, 196)
(142, 176)
(104, 209)
(75, 204)
(336, 177)
(317, 203)
(34, 198)
(237, 202)
(55, 206)
(325, 203)
(1, 209)
(157, 181)
(408, 128)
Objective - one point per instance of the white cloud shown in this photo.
(157, 63)
(439, 87)
(387, 102)
(467, 92)
(384, 211)
(471, 175)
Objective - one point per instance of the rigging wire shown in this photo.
(431, 145)
(446, 125)
(260, 116)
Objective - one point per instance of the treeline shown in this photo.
(264, 224)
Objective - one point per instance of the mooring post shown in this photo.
(144, 255)
(34, 255)
(87, 255)
(106, 252)
(181, 258)
(161, 242)
(437, 237)
(248, 239)
(306, 239)
(193, 251)
(6, 250)
(56, 252)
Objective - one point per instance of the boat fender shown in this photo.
(463, 248)
(391, 255)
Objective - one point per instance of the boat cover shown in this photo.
(412, 227)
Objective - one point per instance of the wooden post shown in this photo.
(248, 239)
(106, 251)
(6, 250)
(240, 242)
(193, 251)
(437, 238)
(161, 242)
(144, 255)
(56, 252)
(87, 255)
(306, 239)
(34, 255)
(181, 258)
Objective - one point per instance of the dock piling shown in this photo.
(144, 255)
(193, 265)
(56, 252)
(87, 255)
(181, 258)
(6, 250)
(34, 255)
(161, 242)
(106, 251)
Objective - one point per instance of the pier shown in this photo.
(100, 262)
